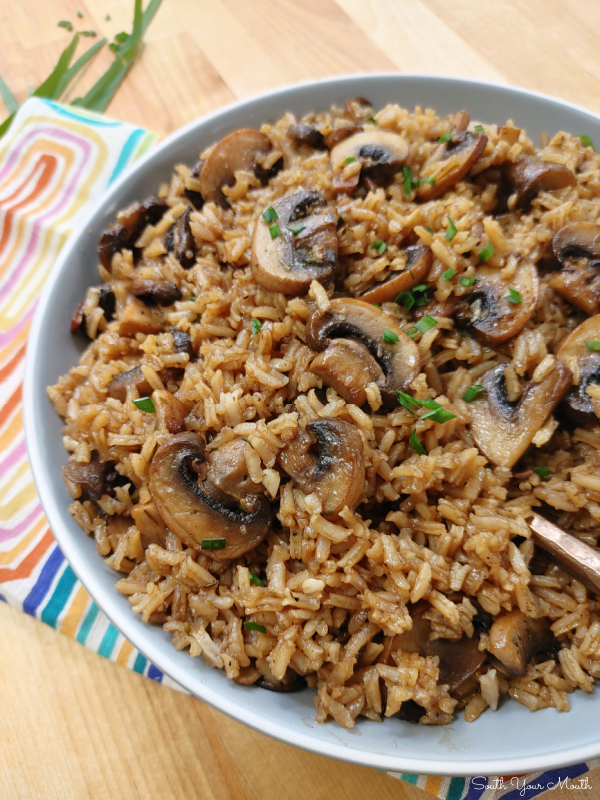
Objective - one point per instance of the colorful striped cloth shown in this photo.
(54, 162)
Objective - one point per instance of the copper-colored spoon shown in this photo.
(577, 557)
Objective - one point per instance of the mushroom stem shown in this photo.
(577, 557)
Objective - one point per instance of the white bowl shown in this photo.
(512, 740)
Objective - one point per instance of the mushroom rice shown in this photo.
(334, 366)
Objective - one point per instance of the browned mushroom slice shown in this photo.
(585, 366)
(486, 309)
(196, 510)
(117, 388)
(449, 163)
(418, 264)
(380, 153)
(337, 135)
(139, 318)
(155, 291)
(348, 367)
(180, 241)
(78, 315)
(305, 249)
(237, 151)
(515, 639)
(532, 175)
(395, 353)
(90, 476)
(577, 247)
(129, 224)
(308, 135)
(228, 471)
(503, 430)
(358, 109)
(182, 341)
(336, 471)
(170, 411)
(192, 194)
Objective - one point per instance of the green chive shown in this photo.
(88, 33)
(80, 15)
(254, 626)
(340, 220)
(145, 404)
(416, 444)
(191, 297)
(269, 215)
(593, 345)
(389, 337)
(430, 229)
(438, 414)
(407, 401)
(254, 579)
(275, 231)
(213, 544)
(472, 393)
(297, 229)
(426, 324)
(479, 128)
(487, 252)
(467, 281)
(256, 326)
(513, 296)
(430, 181)
(543, 472)
(64, 23)
(349, 160)
(451, 230)
(450, 273)
(445, 137)
(373, 120)
(586, 141)
(198, 318)
(406, 299)
(378, 306)
(381, 247)
(411, 333)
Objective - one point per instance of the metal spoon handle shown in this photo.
(577, 557)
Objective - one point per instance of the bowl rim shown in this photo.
(124, 623)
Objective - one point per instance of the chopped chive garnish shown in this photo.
(269, 215)
(445, 137)
(254, 626)
(435, 411)
(275, 231)
(487, 252)
(406, 299)
(479, 128)
(254, 579)
(408, 180)
(378, 306)
(373, 120)
(543, 472)
(415, 296)
(429, 228)
(297, 229)
(586, 141)
(256, 326)
(80, 15)
(191, 297)
(64, 23)
(411, 333)
(145, 404)
(472, 393)
(213, 544)
(407, 401)
(451, 230)
(88, 33)
(430, 181)
(381, 247)
(426, 324)
(416, 444)
(390, 337)
(349, 160)
(513, 296)
(467, 281)
(450, 273)
(340, 220)
(593, 345)
(198, 318)
(438, 414)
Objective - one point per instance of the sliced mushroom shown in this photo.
(107, 302)
(306, 134)
(337, 135)
(532, 175)
(503, 430)
(139, 318)
(180, 241)
(196, 510)
(366, 324)
(237, 151)
(89, 475)
(78, 315)
(358, 109)
(418, 263)
(336, 472)
(228, 470)
(129, 224)
(515, 639)
(193, 195)
(486, 309)
(289, 262)
(135, 378)
(585, 366)
(577, 248)
(155, 291)
(182, 341)
(380, 153)
(170, 411)
(449, 163)
(349, 367)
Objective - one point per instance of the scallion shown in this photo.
(450, 273)
(256, 326)
(389, 337)
(586, 141)
(416, 444)
(349, 160)
(430, 229)
(479, 128)
(269, 215)
(451, 230)
(297, 229)
(275, 231)
(213, 544)
(411, 333)
(445, 137)
(513, 296)
(381, 247)
(373, 120)
(426, 324)
(64, 23)
(254, 626)
(472, 393)
(407, 401)
(145, 404)
(593, 345)
(467, 281)
(254, 579)
(487, 252)
(543, 472)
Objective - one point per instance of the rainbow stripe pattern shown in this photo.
(54, 162)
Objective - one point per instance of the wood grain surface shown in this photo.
(73, 725)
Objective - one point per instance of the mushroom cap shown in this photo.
(336, 473)
(531, 175)
(380, 153)
(237, 151)
(170, 411)
(291, 261)
(354, 319)
(515, 639)
(418, 264)
(577, 248)
(348, 367)
(450, 162)
(585, 366)
(155, 291)
(180, 241)
(486, 310)
(195, 509)
(503, 430)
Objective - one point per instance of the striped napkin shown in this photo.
(54, 162)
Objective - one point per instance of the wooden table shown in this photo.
(73, 725)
